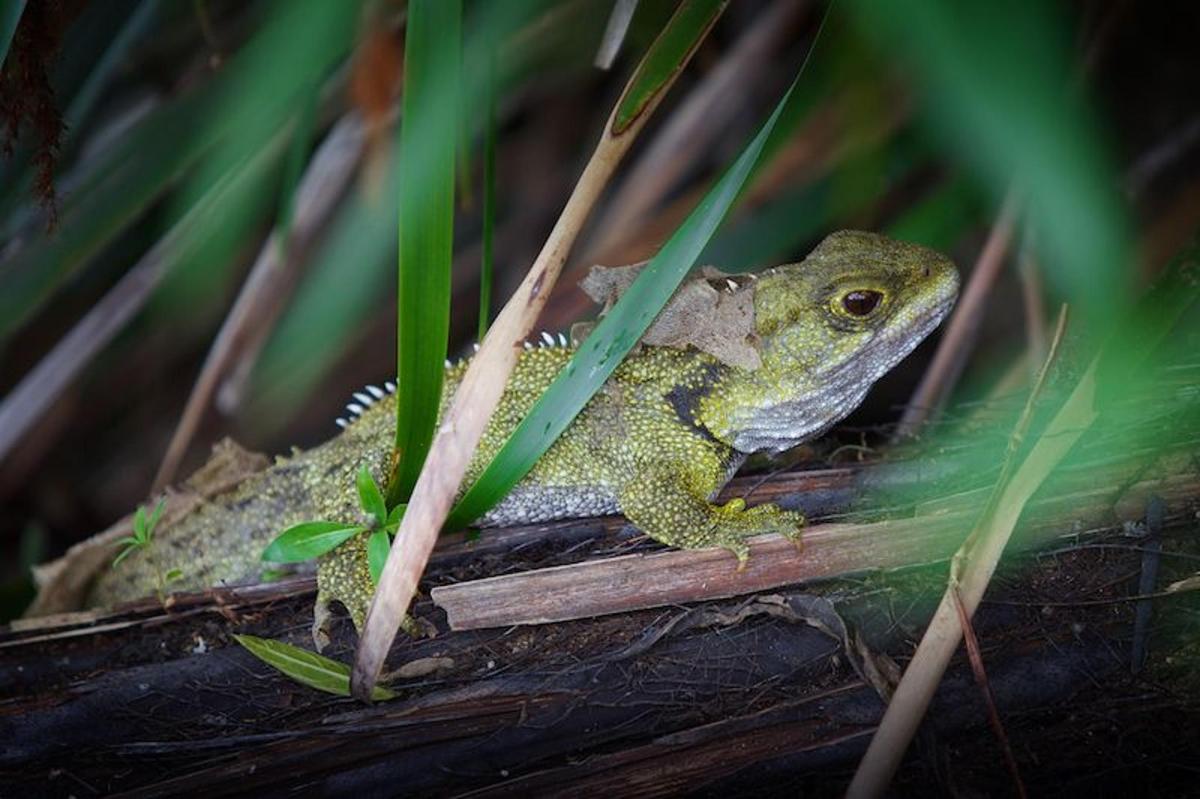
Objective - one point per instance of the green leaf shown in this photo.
(666, 56)
(395, 515)
(370, 497)
(173, 575)
(124, 554)
(378, 546)
(613, 337)
(139, 524)
(307, 668)
(155, 515)
(428, 136)
(308, 540)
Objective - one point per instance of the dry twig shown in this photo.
(971, 569)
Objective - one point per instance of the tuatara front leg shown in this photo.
(666, 504)
(344, 576)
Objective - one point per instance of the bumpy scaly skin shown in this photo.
(656, 443)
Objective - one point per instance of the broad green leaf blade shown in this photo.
(370, 496)
(428, 136)
(667, 55)
(308, 540)
(306, 668)
(10, 17)
(396, 514)
(378, 546)
(613, 337)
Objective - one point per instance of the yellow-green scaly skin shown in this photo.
(656, 443)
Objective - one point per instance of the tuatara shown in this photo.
(656, 443)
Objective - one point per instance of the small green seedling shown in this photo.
(308, 540)
(143, 538)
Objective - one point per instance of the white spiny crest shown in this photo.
(475, 346)
(528, 346)
(549, 339)
(449, 365)
(363, 400)
(562, 339)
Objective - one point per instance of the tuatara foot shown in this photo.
(344, 576)
(732, 523)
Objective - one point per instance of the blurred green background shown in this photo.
(155, 151)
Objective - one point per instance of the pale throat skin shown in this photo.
(656, 443)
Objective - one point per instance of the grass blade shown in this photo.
(306, 668)
(428, 137)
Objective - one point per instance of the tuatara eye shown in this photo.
(861, 302)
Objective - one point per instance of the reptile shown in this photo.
(656, 443)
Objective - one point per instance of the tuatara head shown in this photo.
(828, 328)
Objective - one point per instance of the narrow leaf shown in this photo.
(307, 668)
(155, 515)
(378, 546)
(370, 496)
(670, 51)
(124, 554)
(395, 515)
(139, 523)
(613, 337)
(306, 541)
(428, 136)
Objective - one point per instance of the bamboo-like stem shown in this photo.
(970, 571)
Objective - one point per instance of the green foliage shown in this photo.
(309, 540)
(371, 497)
(1015, 117)
(378, 546)
(306, 668)
(143, 531)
